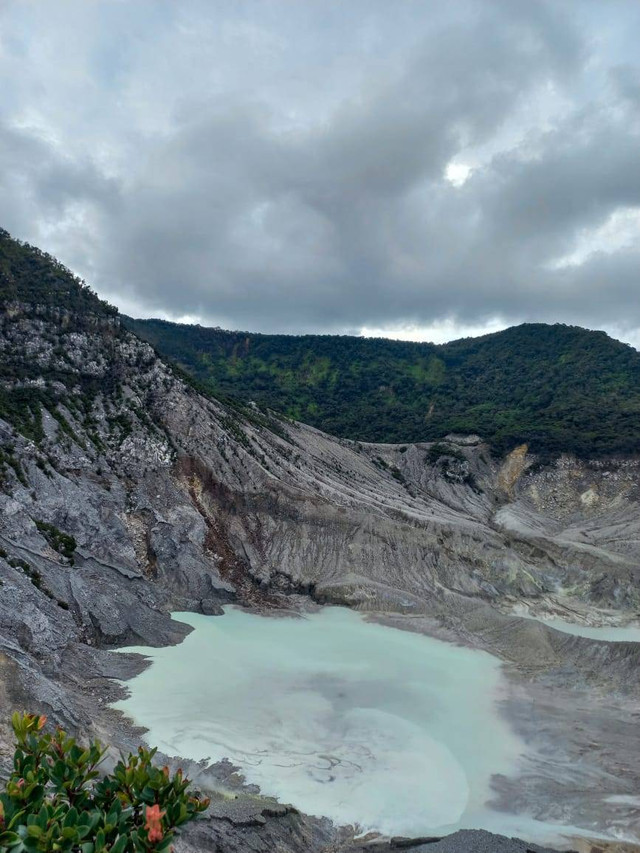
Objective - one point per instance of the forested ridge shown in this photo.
(29, 275)
(558, 388)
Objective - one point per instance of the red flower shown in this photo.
(154, 823)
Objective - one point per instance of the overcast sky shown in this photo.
(406, 167)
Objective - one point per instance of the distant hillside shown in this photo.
(558, 388)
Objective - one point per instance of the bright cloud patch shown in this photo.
(457, 173)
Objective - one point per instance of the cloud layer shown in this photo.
(329, 166)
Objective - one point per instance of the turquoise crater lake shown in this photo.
(365, 724)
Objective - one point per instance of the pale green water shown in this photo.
(610, 633)
(353, 720)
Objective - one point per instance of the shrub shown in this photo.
(55, 799)
(440, 450)
(63, 543)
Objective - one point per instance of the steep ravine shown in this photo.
(178, 502)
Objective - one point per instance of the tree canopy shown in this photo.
(559, 388)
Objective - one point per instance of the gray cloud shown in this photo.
(283, 166)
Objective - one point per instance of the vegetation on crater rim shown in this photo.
(558, 388)
(30, 275)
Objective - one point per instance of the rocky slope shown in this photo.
(126, 494)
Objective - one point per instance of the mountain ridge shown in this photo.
(557, 388)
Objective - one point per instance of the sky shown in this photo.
(407, 168)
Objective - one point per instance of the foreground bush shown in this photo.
(56, 800)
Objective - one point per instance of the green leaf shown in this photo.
(71, 817)
(120, 846)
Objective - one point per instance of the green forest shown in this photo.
(556, 387)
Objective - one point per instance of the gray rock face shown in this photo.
(465, 841)
(178, 502)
